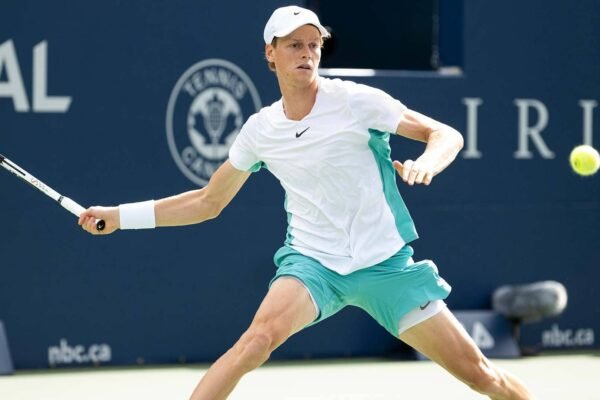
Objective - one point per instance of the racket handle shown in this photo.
(76, 209)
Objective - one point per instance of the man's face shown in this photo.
(297, 55)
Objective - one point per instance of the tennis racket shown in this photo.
(66, 202)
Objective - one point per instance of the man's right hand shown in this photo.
(110, 215)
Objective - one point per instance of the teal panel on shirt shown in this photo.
(380, 146)
(256, 167)
(288, 237)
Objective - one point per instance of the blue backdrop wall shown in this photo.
(95, 100)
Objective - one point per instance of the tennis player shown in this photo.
(327, 142)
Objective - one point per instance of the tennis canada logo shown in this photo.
(206, 111)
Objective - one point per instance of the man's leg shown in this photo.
(444, 340)
(286, 309)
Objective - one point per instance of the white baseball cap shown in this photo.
(285, 20)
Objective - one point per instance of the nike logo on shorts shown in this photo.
(424, 306)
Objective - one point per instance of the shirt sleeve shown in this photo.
(375, 108)
(242, 154)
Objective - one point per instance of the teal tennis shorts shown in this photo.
(387, 291)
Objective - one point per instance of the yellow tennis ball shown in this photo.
(585, 160)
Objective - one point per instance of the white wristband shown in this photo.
(137, 215)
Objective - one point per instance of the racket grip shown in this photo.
(71, 206)
(76, 209)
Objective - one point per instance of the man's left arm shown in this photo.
(443, 144)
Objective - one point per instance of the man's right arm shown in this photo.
(186, 208)
(200, 205)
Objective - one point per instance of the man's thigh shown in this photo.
(288, 306)
(444, 340)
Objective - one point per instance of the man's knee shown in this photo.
(256, 345)
(483, 377)
(256, 348)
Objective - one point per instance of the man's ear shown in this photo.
(269, 52)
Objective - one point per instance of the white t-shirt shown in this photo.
(343, 205)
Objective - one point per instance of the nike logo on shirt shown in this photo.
(301, 133)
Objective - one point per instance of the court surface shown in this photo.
(552, 377)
